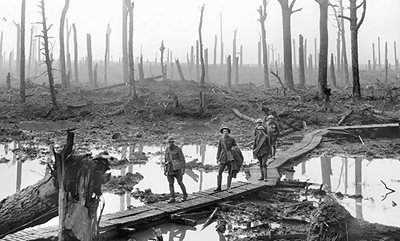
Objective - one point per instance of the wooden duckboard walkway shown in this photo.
(312, 140)
(152, 212)
(163, 210)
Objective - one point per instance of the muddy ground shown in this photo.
(163, 108)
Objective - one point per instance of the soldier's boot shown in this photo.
(262, 173)
(219, 183)
(172, 192)
(265, 174)
(229, 181)
(183, 188)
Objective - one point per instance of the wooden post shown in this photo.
(302, 76)
(229, 68)
(107, 54)
(64, 82)
(215, 50)
(369, 65)
(75, 54)
(179, 70)
(386, 63)
(379, 53)
(89, 58)
(22, 52)
(332, 68)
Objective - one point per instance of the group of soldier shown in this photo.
(228, 156)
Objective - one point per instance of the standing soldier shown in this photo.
(174, 164)
(259, 122)
(273, 132)
(261, 150)
(225, 156)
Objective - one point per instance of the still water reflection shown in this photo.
(362, 177)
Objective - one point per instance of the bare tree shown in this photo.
(48, 60)
(75, 54)
(131, 63)
(345, 64)
(18, 56)
(354, 27)
(287, 11)
(215, 50)
(22, 52)
(162, 48)
(125, 4)
(31, 52)
(107, 54)
(89, 59)
(229, 70)
(263, 16)
(202, 77)
(222, 43)
(68, 53)
(323, 53)
(64, 81)
(302, 75)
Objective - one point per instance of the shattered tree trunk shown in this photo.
(331, 221)
(386, 63)
(162, 48)
(234, 53)
(229, 69)
(302, 74)
(30, 58)
(222, 43)
(37, 204)
(68, 53)
(75, 54)
(373, 58)
(64, 81)
(215, 50)
(48, 60)
(345, 64)
(332, 71)
(179, 69)
(197, 61)
(22, 52)
(141, 68)
(89, 59)
(206, 65)
(107, 54)
(287, 11)
(203, 70)
(263, 16)
(131, 62)
(323, 54)
(125, 40)
(355, 26)
(18, 56)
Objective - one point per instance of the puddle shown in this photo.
(359, 176)
(19, 174)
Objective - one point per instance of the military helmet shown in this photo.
(260, 128)
(225, 127)
(171, 139)
(259, 121)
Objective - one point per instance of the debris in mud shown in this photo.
(4, 160)
(147, 196)
(138, 158)
(122, 184)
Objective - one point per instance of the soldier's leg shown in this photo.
(179, 179)
(219, 177)
(261, 168)
(264, 165)
(171, 188)
(229, 180)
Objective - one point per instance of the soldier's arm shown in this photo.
(182, 157)
(219, 149)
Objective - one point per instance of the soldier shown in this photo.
(174, 165)
(225, 156)
(273, 132)
(261, 150)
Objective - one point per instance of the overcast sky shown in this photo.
(176, 22)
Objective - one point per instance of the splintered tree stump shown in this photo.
(331, 221)
(37, 204)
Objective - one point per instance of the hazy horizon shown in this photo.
(176, 23)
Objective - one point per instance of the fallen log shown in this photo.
(123, 84)
(210, 219)
(244, 117)
(347, 114)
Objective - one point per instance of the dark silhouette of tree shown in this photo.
(263, 16)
